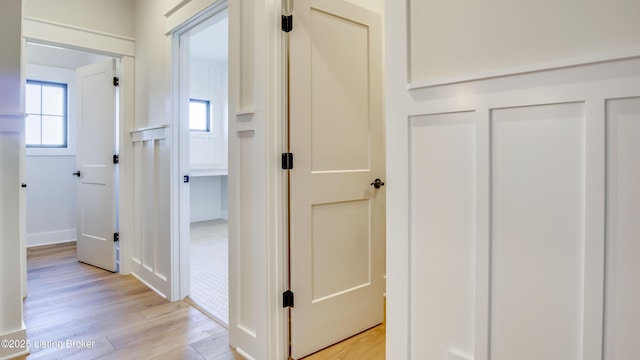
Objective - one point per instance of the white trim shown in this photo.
(149, 133)
(177, 7)
(51, 237)
(245, 121)
(244, 354)
(12, 123)
(54, 33)
(181, 17)
(180, 134)
(527, 69)
(148, 285)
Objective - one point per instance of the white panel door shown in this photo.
(96, 171)
(337, 216)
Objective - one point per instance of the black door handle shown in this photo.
(377, 183)
(77, 173)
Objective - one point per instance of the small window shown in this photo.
(199, 115)
(46, 125)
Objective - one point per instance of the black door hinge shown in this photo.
(116, 159)
(287, 161)
(116, 81)
(287, 23)
(116, 237)
(287, 299)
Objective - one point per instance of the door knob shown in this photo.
(377, 183)
(77, 173)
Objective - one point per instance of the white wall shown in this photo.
(462, 39)
(209, 82)
(12, 257)
(51, 194)
(208, 198)
(108, 16)
(505, 194)
(208, 150)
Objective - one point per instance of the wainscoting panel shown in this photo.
(538, 240)
(622, 313)
(151, 260)
(442, 241)
(247, 284)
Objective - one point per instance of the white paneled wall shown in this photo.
(623, 229)
(513, 209)
(537, 231)
(151, 258)
(442, 231)
(506, 200)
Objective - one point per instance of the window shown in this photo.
(46, 125)
(199, 115)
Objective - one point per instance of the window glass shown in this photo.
(53, 100)
(199, 115)
(53, 130)
(33, 129)
(33, 99)
(46, 105)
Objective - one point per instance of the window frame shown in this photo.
(65, 116)
(208, 119)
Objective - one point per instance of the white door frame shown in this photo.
(51, 33)
(257, 102)
(180, 215)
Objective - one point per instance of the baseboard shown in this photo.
(18, 337)
(51, 237)
(244, 354)
(150, 286)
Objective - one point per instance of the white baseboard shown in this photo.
(18, 337)
(51, 237)
(454, 354)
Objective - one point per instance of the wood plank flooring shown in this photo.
(109, 316)
(369, 345)
(112, 316)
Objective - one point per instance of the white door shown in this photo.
(336, 137)
(96, 169)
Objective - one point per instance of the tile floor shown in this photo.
(209, 268)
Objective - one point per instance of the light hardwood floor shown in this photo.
(122, 319)
(369, 345)
(119, 316)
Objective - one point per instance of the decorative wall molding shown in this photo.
(12, 123)
(521, 70)
(245, 121)
(597, 52)
(149, 133)
(51, 32)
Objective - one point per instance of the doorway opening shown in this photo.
(204, 113)
(53, 209)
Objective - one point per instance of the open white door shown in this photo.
(336, 132)
(97, 144)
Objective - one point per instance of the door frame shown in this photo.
(122, 48)
(180, 214)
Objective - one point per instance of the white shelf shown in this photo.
(208, 172)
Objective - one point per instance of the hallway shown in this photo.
(110, 315)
